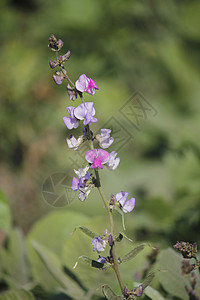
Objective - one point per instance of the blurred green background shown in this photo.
(147, 46)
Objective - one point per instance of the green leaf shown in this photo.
(5, 214)
(153, 294)
(17, 295)
(79, 245)
(54, 267)
(87, 231)
(61, 225)
(14, 266)
(109, 294)
(133, 253)
(171, 278)
(148, 280)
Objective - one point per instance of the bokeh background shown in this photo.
(151, 47)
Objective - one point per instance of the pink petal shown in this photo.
(91, 155)
(82, 83)
(97, 163)
(104, 156)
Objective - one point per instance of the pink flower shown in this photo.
(85, 84)
(97, 157)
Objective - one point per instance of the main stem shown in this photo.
(98, 185)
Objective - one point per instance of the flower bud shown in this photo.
(66, 56)
(58, 77)
(110, 240)
(53, 63)
(71, 92)
(55, 44)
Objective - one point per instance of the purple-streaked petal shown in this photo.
(129, 205)
(104, 156)
(121, 197)
(75, 184)
(90, 108)
(70, 110)
(91, 155)
(80, 112)
(82, 83)
(82, 196)
(70, 122)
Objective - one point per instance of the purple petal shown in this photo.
(90, 108)
(80, 112)
(91, 155)
(121, 197)
(58, 78)
(75, 184)
(129, 205)
(70, 110)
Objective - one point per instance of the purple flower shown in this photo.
(81, 183)
(113, 162)
(83, 175)
(57, 77)
(126, 206)
(99, 245)
(101, 259)
(72, 121)
(97, 157)
(104, 138)
(85, 84)
(85, 111)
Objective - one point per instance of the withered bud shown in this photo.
(188, 250)
(55, 44)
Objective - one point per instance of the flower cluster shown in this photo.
(96, 157)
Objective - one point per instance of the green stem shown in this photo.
(115, 261)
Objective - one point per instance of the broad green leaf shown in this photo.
(171, 278)
(109, 294)
(54, 267)
(79, 245)
(148, 280)
(5, 215)
(17, 295)
(87, 231)
(14, 261)
(153, 294)
(133, 253)
(60, 224)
